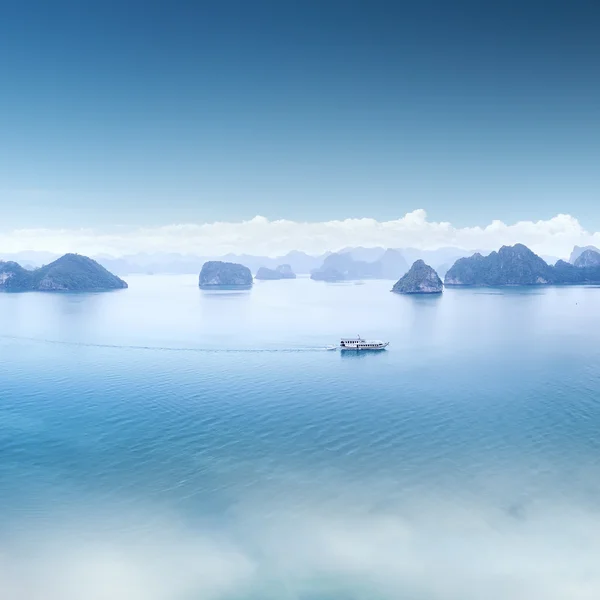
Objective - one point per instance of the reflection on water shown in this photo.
(360, 354)
(225, 290)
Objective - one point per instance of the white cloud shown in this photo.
(436, 549)
(260, 236)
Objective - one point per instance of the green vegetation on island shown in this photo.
(420, 279)
(69, 273)
(215, 274)
(517, 265)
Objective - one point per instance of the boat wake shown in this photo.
(215, 350)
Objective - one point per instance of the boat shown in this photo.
(359, 344)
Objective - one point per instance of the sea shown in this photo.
(169, 443)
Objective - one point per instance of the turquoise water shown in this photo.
(163, 442)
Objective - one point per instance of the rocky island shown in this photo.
(420, 279)
(13, 277)
(579, 250)
(343, 267)
(69, 273)
(517, 265)
(511, 265)
(218, 274)
(392, 264)
(281, 272)
(327, 274)
(588, 258)
(565, 273)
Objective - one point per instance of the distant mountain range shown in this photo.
(355, 262)
(441, 259)
(343, 266)
(511, 265)
(173, 263)
(392, 264)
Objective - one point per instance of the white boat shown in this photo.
(359, 344)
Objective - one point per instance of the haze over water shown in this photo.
(164, 442)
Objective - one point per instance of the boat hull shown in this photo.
(364, 348)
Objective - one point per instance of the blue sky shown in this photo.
(151, 113)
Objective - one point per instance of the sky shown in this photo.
(155, 114)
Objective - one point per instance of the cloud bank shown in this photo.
(260, 236)
(439, 552)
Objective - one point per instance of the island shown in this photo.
(342, 267)
(515, 266)
(588, 258)
(420, 279)
(579, 250)
(511, 265)
(281, 272)
(392, 264)
(217, 274)
(69, 273)
(565, 273)
(14, 278)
